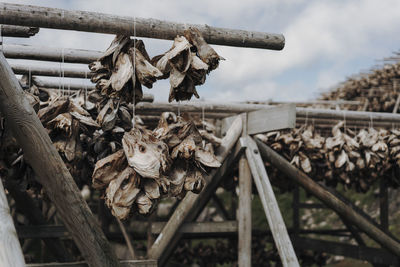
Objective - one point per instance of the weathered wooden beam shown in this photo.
(17, 31)
(52, 173)
(29, 209)
(152, 28)
(10, 249)
(373, 255)
(125, 263)
(191, 200)
(270, 205)
(50, 53)
(244, 214)
(43, 70)
(329, 199)
(235, 108)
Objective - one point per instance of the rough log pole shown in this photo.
(10, 249)
(19, 68)
(329, 199)
(50, 53)
(190, 200)
(18, 31)
(52, 172)
(152, 28)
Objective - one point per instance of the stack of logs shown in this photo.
(354, 159)
(377, 90)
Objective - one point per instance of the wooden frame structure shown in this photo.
(237, 147)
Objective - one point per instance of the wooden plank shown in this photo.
(190, 200)
(52, 173)
(127, 263)
(270, 205)
(50, 53)
(329, 199)
(384, 205)
(10, 249)
(373, 255)
(17, 31)
(63, 19)
(271, 119)
(244, 214)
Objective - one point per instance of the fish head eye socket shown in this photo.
(142, 148)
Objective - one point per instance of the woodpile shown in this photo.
(126, 66)
(354, 159)
(377, 91)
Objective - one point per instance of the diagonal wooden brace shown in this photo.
(270, 205)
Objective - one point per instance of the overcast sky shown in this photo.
(326, 41)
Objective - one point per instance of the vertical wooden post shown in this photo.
(10, 249)
(244, 214)
(270, 205)
(384, 205)
(51, 171)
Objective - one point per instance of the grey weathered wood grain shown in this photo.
(190, 200)
(51, 171)
(10, 249)
(270, 205)
(125, 263)
(152, 28)
(50, 53)
(43, 70)
(271, 119)
(18, 31)
(329, 199)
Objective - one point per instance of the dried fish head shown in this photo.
(206, 158)
(194, 181)
(107, 169)
(122, 192)
(62, 122)
(122, 72)
(151, 188)
(341, 159)
(147, 155)
(144, 203)
(146, 73)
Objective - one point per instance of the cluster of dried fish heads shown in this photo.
(168, 161)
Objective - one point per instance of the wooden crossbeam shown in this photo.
(126, 263)
(63, 19)
(18, 31)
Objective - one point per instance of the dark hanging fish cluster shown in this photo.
(355, 159)
(126, 66)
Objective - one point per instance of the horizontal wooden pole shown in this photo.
(68, 72)
(18, 31)
(52, 174)
(42, 83)
(236, 108)
(152, 28)
(329, 199)
(50, 53)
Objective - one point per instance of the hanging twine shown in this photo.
(134, 73)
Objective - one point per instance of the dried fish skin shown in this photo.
(176, 177)
(122, 192)
(53, 110)
(143, 203)
(151, 188)
(115, 47)
(146, 73)
(148, 156)
(122, 72)
(204, 50)
(85, 119)
(62, 122)
(185, 149)
(108, 169)
(194, 182)
(206, 158)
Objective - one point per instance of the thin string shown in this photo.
(179, 108)
(62, 62)
(85, 88)
(134, 73)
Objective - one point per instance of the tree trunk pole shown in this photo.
(152, 28)
(51, 171)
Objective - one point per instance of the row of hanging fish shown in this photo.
(377, 90)
(356, 160)
(167, 161)
(125, 66)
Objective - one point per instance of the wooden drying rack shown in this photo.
(238, 122)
